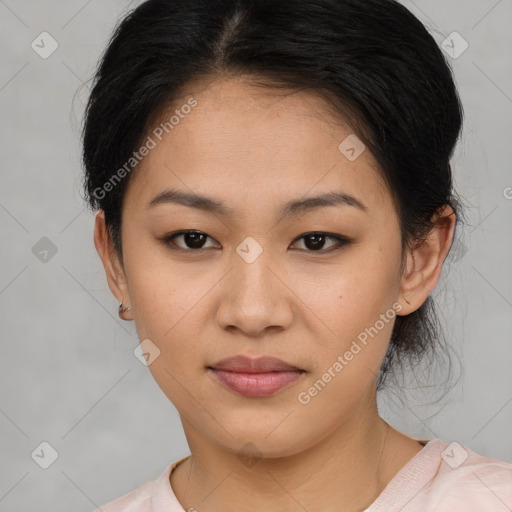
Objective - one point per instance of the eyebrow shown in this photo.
(210, 205)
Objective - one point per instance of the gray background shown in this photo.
(68, 375)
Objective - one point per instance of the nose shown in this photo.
(254, 300)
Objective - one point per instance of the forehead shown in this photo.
(239, 139)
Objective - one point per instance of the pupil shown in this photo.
(194, 240)
(318, 241)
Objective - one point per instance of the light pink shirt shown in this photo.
(442, 477)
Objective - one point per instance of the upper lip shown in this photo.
(253, 365)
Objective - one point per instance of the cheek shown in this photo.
(167, 309)
(351, 294)
(169, 312)
(356, 310)
(160, 291)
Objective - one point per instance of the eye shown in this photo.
(190, 239)
(315, 242)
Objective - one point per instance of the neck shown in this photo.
(343, 473)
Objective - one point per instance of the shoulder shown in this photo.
(138, 500)
(468, 481)
(448, 477)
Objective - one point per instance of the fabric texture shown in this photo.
(442, 477)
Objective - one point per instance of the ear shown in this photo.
(425, 260)
(114, 269)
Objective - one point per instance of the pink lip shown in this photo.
(253, 365)
(258, 377)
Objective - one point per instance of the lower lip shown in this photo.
(256, 384)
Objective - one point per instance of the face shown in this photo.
(268, 272)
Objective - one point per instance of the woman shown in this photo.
(275, 204)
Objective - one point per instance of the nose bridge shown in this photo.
(253, 298)
(251, 276)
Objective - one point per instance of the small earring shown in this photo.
(122, 308)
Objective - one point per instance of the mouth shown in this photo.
(255, 377)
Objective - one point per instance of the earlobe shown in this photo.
(425, 261)
(114, 270)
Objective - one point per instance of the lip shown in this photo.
(246, 364)
(255, 377)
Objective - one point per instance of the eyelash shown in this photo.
(342, 241)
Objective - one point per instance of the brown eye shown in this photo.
(313, 242)
(189, 240)
(316, 242)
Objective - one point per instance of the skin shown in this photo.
(254, 150)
